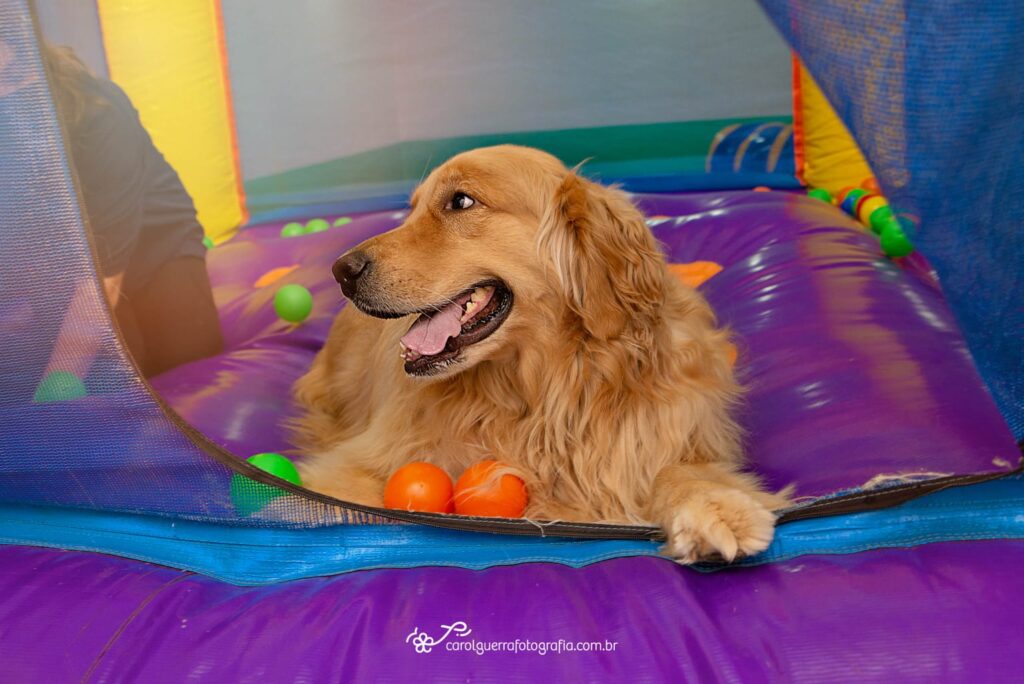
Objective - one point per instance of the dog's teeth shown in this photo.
(471, 307)
(407, 354)
(478, 296)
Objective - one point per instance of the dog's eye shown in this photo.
(459, 201)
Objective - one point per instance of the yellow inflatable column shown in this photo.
(171, 59)
(826, 154)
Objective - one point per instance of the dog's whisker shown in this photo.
(443, 302)
(440, 299)
(426, 167)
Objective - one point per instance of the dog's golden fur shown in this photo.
(608, 389)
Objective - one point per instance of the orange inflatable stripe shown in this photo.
(695, 273)
(798, 121)
(273, 275)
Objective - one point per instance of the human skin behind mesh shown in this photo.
(143, 221)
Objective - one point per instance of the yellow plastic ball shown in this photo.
(868, 206)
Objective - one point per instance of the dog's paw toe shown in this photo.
(721, 521)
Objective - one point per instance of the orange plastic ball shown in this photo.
(762, 188)
(870, 184)
(476, 493)
(420, 487)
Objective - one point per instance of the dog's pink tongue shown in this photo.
(427, 336)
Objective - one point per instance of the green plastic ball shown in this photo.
(277, 465)
(317, 225)
(293, 303)
(894, 241)
(293, 229)
(879, 218)
(249, 496)
(820, 194)
(59, 386)
(855, 193)
(344, 220)
(208, 242)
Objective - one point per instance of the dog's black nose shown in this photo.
(347, 270)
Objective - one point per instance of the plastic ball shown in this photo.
(477, 493)
(420, 487)
(894, 241)
(293, 229)
(59, 385)
(249, 496)
(844, 192)
(821, 194)
(879, 218)
(317, 225)
(207, 242)
(849, 203)
(867, 205)
(344, 220)
(277, 465)
(762, 188)
(293, 303)
(870, 184)
(860, 200)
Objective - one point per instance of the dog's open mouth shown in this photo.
(440, 334)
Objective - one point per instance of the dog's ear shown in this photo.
(603, 257)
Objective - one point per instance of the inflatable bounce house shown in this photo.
(841, 180)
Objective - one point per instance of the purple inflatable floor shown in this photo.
(857, 375)
(938, 613)
(856, 371)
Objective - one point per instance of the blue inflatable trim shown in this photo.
(250, 556)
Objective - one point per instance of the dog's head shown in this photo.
(503, 246)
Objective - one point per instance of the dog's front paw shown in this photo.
(717, 519)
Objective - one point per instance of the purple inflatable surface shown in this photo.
(856, 370)
(857, 376)
(938, 613)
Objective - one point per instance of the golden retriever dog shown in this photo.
(526, 314)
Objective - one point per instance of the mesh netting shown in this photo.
(78, 426)
(933, 91)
